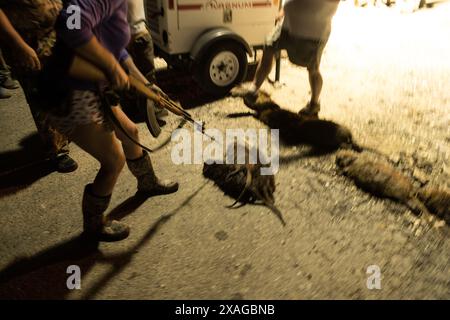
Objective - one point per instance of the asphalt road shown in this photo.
(386, 78)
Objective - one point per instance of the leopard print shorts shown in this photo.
(85, 108)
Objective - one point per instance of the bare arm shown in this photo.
(84, 42)
(10, 36)
(94, 52)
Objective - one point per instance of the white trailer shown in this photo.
(212, 37)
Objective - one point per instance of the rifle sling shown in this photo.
(107, 108)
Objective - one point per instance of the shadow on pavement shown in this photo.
(22, 167)
(127, 207)
(44, 275)
(120, 261)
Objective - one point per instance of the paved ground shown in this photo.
(387, 79)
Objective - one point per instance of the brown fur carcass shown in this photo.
(380, 179)
(299, 129)
(244, 182)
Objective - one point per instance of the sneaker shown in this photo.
(10, 83)
(4, 94)
(64, 163)
(310, 110)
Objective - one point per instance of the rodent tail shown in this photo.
(269, 204)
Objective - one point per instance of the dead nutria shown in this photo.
(437, 200)
(380, 179)
(244, 182)
(298, 129)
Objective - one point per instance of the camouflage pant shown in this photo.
(54, 142)
(4, 70)
(141, 50)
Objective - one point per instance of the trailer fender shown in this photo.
(207, 39)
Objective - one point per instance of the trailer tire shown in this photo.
(223, 66)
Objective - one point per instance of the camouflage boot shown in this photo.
(95, 224)
(148, 183)
(142, 51)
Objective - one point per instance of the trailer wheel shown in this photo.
(222, 67)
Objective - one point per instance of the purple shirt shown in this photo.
(104, 19)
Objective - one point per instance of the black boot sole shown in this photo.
(161, 192)
(105, 238)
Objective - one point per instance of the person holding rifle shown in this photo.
(101, 40)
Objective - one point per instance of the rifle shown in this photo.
(83, 69)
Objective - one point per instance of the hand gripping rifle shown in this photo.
(83, 69)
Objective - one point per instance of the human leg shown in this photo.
(310, 57)
(6, 81)
(264, 68)
(56, 144)
(138, 160)
(316, 83)
(102, 144)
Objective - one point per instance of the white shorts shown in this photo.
(85, 108)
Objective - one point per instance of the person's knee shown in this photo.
(132, 130)
(114, 161)
(117, 163)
